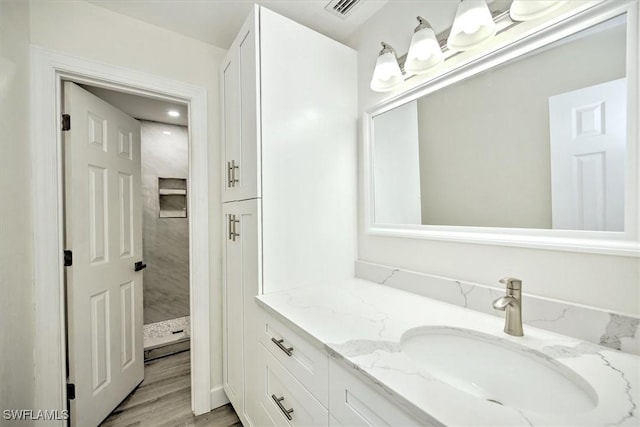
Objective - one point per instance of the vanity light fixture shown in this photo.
(387, 74)
(173, 113)
(472, 26)
(424, 50)
(526, 10)
(475, 23)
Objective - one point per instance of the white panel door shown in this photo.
(588, 145)
(103, 228)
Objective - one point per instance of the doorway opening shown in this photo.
(128, 214)
(164, 147)
(49, 70)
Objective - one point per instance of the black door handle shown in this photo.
(139, 266)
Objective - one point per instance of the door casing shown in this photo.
(48, 69)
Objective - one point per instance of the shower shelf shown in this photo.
(172, 191)
(172, 197)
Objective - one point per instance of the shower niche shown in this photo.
(172, 197)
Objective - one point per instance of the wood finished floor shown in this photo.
(164, 399)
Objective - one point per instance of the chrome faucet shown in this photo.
(511, 304)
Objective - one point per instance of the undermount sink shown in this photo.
(498, 370)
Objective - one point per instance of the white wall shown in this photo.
(16, 278)
(608, 282)
(92, 32)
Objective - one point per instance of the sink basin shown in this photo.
(498, 370)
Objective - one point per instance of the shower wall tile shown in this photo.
(586, 323)
(166, 240)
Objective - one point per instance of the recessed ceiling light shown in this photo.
(166, 132)
(173, 113)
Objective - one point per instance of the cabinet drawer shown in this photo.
(353, 403)
(308, 363)
(283, 397)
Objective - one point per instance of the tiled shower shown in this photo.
(165, 168)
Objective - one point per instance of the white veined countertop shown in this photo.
(360, 323)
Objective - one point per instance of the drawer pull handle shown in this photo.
(285, 411)
(288, 350)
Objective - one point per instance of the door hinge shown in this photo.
(68, 258)
(71, 391)
(66, 122)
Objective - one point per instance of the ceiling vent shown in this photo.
(342, 8)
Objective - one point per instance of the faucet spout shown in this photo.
(511, 304)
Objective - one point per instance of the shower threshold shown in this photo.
(171, 333)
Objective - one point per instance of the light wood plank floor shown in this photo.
(164, 399)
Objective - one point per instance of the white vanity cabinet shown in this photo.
(289, 144)
(293, 379)
(356, 404)
(300, 385)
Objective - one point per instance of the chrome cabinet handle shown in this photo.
(288, 350)
(285, 411)
(231, 173)
(233, 222)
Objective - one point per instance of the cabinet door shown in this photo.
(355, 404)
(241, 283)
(239, 87)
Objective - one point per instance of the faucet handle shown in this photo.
(512, 283)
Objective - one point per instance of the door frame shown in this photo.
(48, 69)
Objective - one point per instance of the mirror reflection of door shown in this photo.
(588, 145)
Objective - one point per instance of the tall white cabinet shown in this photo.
(289, 134)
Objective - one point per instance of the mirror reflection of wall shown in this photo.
(485, 143)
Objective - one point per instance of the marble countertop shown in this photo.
(360, 323)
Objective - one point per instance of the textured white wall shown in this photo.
(92, 32)
(16, 255)
(609, 282)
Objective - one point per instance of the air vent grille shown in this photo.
(342, 8)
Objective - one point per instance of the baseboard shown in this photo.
(218, 397)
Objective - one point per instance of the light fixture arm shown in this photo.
(422, 24)
(386, 48)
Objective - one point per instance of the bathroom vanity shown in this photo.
(305, 343)
(361, 347)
